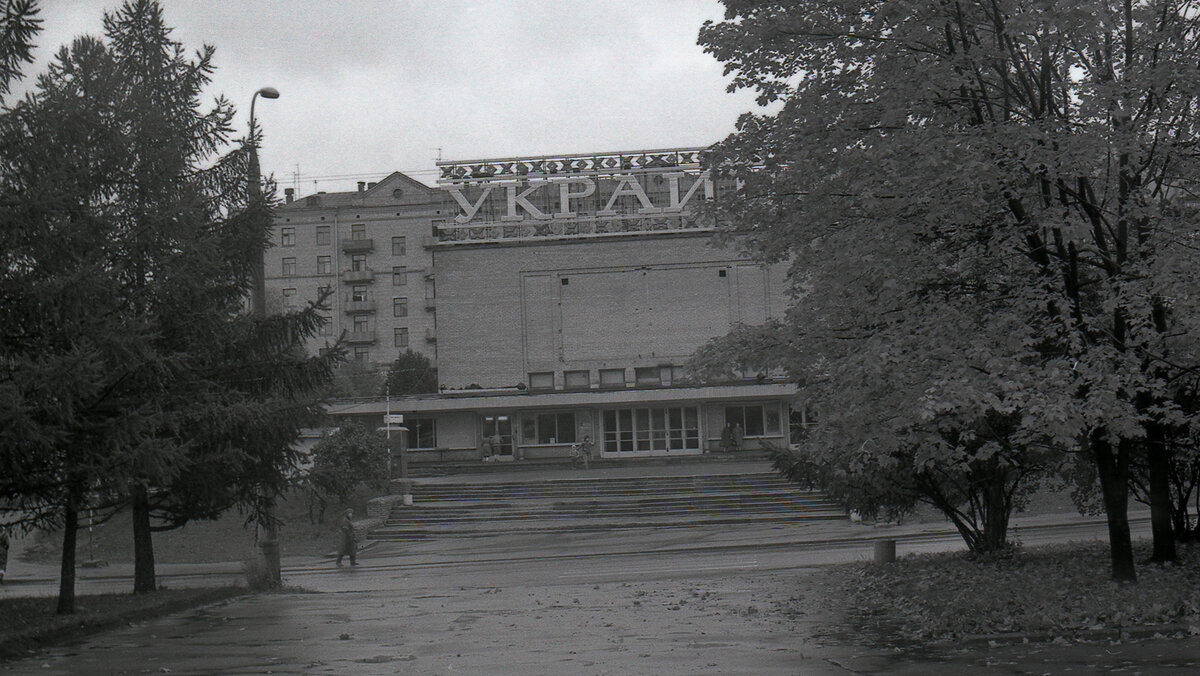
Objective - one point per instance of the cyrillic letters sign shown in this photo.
(585, 194)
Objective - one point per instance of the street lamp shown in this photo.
(258, 295)
(258, 298)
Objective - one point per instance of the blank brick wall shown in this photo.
(507, 310)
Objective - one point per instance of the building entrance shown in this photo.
(498, 428)
(651, 431)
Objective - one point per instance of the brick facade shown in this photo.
(511, 309)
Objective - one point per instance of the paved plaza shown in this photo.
(675, 601)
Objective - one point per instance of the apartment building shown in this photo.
(371, 250)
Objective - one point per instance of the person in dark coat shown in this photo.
(3, 552)
(349, 544)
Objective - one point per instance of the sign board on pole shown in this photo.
(393, 419)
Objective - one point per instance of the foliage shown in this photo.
(1047, 592)
(355, 379)
(19, 23)
(341, 462)
(411, 373)
(130, 241)
(1183, 446)
(974, 196)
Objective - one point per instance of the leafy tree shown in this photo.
(355, 379)
(1023, 162)
(129, 245)
(352, 456)
(411, 373)
(1182, 444)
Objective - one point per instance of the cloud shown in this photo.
(376, 86)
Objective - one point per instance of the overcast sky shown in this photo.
(373, 86)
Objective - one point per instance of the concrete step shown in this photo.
(476, 528)
(510, 514)
(454, 508)
(594, 493)
(609, 486)
(595, 506)
(441, 469)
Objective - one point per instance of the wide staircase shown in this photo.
(459, 508)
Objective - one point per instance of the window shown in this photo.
(400, 337)
(358, 231)
(549, 428)
(323, 290)
(326, 328)
(287, 237)
(422, 432)
(289, 267)
(612, 377)
(577, 379)
(399, 275)
(362, 323)
(651, 429)
(358, 262)
(323, 236)
(362, 353)
(358, 293)
(399, 307)
(289, 298)
(324, 265)
(399, 246)
(650, 375)
(755, 421)
(541, 381)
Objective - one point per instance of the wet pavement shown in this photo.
(651, 613)
(743, 600)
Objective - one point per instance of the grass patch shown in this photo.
(1048, 593)
(30, 623)
(228, 538)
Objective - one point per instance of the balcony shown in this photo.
(358, 306)
(430, 336)
(361, 337)
(358, 276)
(430, 304)
(358, 245)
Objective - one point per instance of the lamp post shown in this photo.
(258, 295)
(258, 299)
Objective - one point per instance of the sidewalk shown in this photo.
(822, 542)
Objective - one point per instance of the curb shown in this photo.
(1139, 632)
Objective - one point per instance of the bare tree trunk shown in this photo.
(1160, 495)
(143, 543)
(1114, 485)
(997, 510)
(66, 576)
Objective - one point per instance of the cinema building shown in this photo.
(559, 297)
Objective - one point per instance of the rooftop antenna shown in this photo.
(439, 155)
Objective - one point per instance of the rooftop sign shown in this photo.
(573, 195)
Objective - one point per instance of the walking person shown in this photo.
(3, 551)
(349, 544)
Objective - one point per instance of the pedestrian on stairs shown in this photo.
(349, 543)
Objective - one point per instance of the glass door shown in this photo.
(498, 428)
(651, 431)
